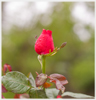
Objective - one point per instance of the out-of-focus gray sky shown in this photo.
(21, 13)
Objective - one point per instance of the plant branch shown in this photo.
(43, 64)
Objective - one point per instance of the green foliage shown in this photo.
(85, 73)
(32, 80)
(8, 95)
(37, 93)
(77, 95)
(52, 93)
(75, 60)
(15, 82)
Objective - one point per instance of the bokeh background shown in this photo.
(71, 22)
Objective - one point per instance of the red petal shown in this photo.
(44, 43)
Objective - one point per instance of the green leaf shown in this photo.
(37, 93)
(15, 82)
(77, 95)
(41, 79)
(52, 93)
(32, 80)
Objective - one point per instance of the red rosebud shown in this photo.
(44, 43)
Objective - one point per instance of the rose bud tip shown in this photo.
(44, 43)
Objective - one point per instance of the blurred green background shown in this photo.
(71, 22)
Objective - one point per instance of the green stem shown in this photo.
(43, 64)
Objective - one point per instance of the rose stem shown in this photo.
(43, 64)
